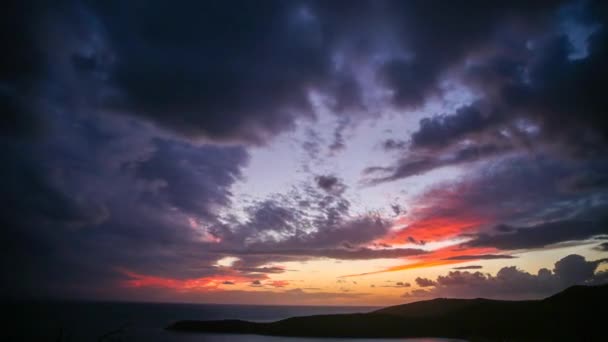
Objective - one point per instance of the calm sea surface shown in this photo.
(87, 321)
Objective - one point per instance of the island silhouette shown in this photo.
(578, 313)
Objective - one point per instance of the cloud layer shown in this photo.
(511, 282)
(129, 133)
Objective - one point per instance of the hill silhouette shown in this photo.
(574, 314)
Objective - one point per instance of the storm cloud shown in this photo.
(524, 92)
(130, 134)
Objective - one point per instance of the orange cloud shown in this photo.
(438, 257)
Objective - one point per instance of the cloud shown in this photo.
(541, 235)
(574, 269)
(367, 253)
(119, 206)
(472, 267)
(415, 79)
(424, 282)
(192, 178)
(278, 283)
(197, 85)
(519, 97)
(330, 184)
(510, 282)
(397, 210)
(21, 70)
(362, 253)
(392, 144)
(170, 69)
(303, 219)
(202, 284)
(531, 193)
(481, 257)
(417, 164)
(126, 127)
(339, 142)
(262, 270)
(398, 284)
(440, 131)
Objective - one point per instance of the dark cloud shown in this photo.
(262, 270)
(472, 267)
(574, 269)
(524, 79)
(330, 184)
(411, 240)
(398, 284)
(534, 90)
(339, 253)
(306, 219)
(21, 68)
(354, 232)
(180, 66)
(520, 191)
(201, 70)
(481, 257)
(91, 186)
(93, 197)
(193, 179)
(338, 142)
(206, 70)
(438, 47)
(312, 146)
(418, 164)
(561, 86)
(412, 81)
(424, 282)
(439, 131)
(397, 210)
(511, 282)
(542, 235)
(392, 144)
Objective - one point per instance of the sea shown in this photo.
(70, 321)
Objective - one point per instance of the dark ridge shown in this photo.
(574, 314)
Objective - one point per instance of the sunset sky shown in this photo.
(303, 152)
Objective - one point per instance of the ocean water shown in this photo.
(88, 321)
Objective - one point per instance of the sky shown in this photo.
(302, 152)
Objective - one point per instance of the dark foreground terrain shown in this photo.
(578, 313)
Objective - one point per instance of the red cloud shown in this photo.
(208, 283)
(433, 229)
(443, 213)
(278, 283)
